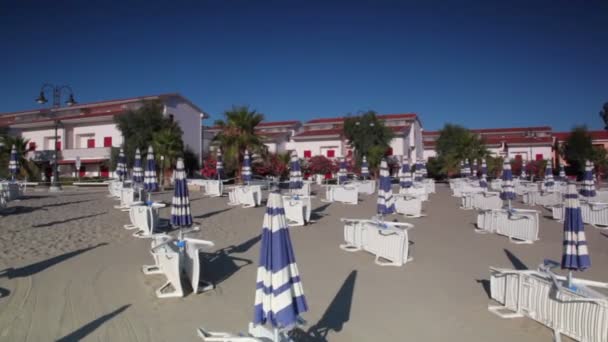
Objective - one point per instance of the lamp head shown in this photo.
(71, 101)
(41, 99)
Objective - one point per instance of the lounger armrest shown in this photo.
(200, 243)
(401, 225)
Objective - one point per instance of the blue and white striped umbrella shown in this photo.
(483, 181)
(588, 189)
(575, 254)
(423, 170)
(385, 191)
(13, 164)
(474, 169)
(279, 296)
(219, 165)
(295, 172)
(467, 168)
(246, 170)
(405, 180)
(562, 173)
(462, 170)
(150, 180)
(364, 168)
(523, 170)
(121, 165)
(342, 172)
(508, 191)
(549, 175)
(180, 204)
(418, 172)
(138, 170)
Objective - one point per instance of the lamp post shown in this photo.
(57, 90)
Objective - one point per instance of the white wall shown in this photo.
(317, 147)
(189, 120)
(38, 136)
(99, 132)
(529, 153)
(429, 153)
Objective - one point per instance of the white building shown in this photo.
(525, 143)
(87, 131)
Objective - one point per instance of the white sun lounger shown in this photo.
(114, 187)
(367, 187)
(167, 262)
(303, 191)
(249, 196)
(297, 210)
(257, 333)
(388, 241)
(341, 193)
(192, 265)
(415, 191)
(520, 225)
(486, 200)
(127, 199)
(544, 297)
(409, 206)
(595, 214)
(429, 185)
(146, 220)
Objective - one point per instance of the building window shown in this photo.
(90, 143)
(307, 154)
(31, 146)
(107, 142)
(58, 145)
(331, 153)
(539, 156)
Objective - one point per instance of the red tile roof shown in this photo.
(398, 129)
(518, 140)
(380, 116)
(272, 135)
(595, 135)
(278, 123)
(512, 129)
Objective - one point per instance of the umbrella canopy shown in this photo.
(121, 164)
(138, 170)
(279, 296)
(588, 189)
(483, 181)
(549, 175)
(246, 170)
(295, 173)
(562, 173)
(508, 191)
(385, 192)
(150, 181)
(418, 172)
(523, 170)
(342, 172)
(180, 204)
(364, 168)
(13, 164)
(467, 168)
(575, 254)
(423, 170)
(219, 165)
(462, 168)
(405, 180)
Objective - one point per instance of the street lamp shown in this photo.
(56, 91)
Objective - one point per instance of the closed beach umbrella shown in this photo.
(342, 172)
(138, 170)
(295, 172)
(423, 170)
(474, 169)
(405, 180)
(364, 168)
(562, 173)
(150, 180)
(549, 175)
(385, 192)
(180, 204)
(462, 170)
(219, 165)
(418, 172)
(523, 170)
(588, 189)
(467, 168)
(121, 165)
(483, 181)
(575, 252)
(508, 191)
(246, 170)
(13, 164)
(279, 296)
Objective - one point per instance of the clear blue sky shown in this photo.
(477, 63)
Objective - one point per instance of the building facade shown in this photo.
(87, 131)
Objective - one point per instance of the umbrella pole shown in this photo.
(570, 279)
(276, 335)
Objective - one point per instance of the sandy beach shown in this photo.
(71, 272)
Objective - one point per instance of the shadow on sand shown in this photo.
(605, 235)
(88, 328)
(517, 264)
(317, 213)
(222, 264)
(40, 266)
(52, 223)
(335, 316)
(211, 213)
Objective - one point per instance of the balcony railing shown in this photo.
(71, 154)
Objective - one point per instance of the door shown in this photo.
(104, 172)
(83, 171)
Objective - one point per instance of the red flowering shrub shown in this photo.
(322, 165)
(208, 170)
(272, 166)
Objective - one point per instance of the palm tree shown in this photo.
(168, 144)
(21, 146)
(238, 134)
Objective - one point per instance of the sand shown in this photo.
(71, 272)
